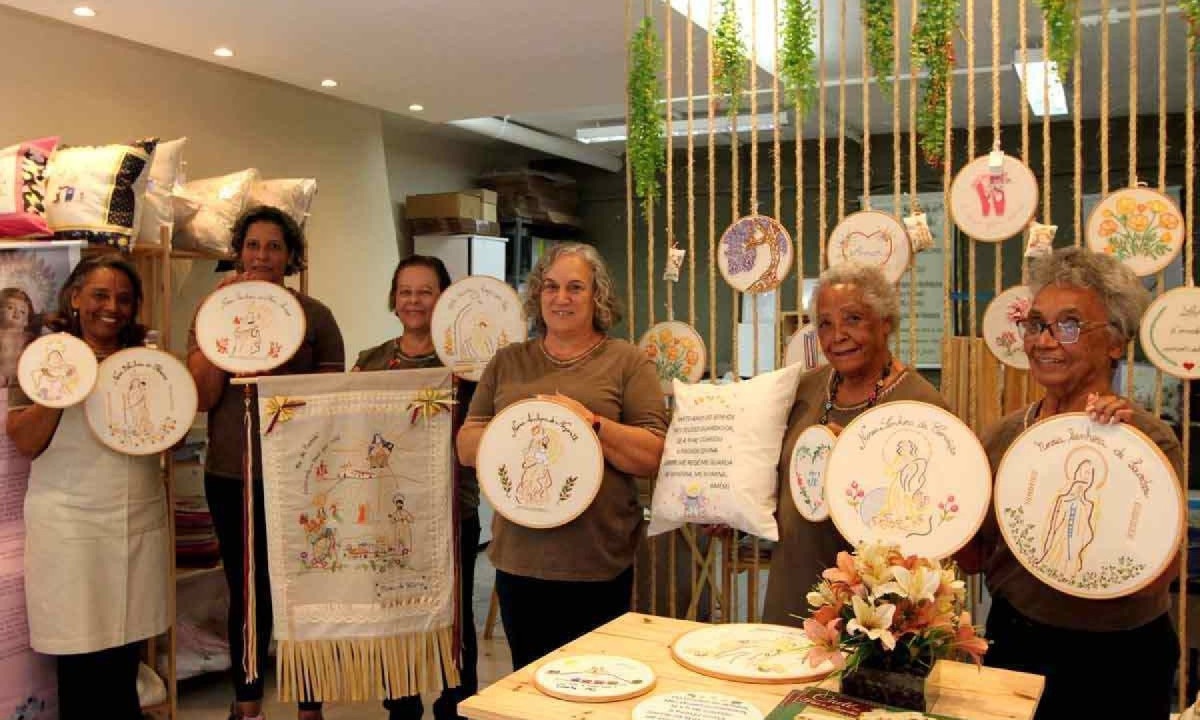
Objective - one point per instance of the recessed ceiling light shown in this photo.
(84, 11)
(416, 107)
(223, 52)
(328, 83)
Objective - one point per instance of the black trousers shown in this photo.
(225, 502)
(445, 707)
(540, 616)
(99, 684)
(1088, 674)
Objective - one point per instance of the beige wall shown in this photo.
(91, 88)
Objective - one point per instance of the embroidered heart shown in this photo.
(1188, 366)
(871, 248)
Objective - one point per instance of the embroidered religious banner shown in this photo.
(360, 532)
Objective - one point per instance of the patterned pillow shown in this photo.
(96, 193)
(294, 196)
(23, 188)
(221, 201)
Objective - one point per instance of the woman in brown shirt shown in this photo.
(1101, 658)
(856, 311)
(417, 283)
(557, 584)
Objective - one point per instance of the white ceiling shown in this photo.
(558, 65)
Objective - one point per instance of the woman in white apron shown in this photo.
(96, 563)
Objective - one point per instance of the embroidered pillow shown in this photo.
(157, 210)
(294, 196)
(221, 200)
(96, 193)
(722, 450)
(23, 188)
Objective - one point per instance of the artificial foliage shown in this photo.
(1191, 11)
(1062, 33)
(730, 64)
(797, 56)
(646, 145)
(881, 40)
(933, 45)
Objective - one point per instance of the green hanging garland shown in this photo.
(797, 57)
(646, 145)
(1191, 11)
(1062, 36)
(933, 44)
(730, 65)
(881, 41)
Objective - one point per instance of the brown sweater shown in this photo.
(806, 548)
(617, 382)
(1007, 578)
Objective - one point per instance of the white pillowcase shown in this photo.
(221, 201)
(96, 193)
(722, 450)
(157, 211)
(294, 196)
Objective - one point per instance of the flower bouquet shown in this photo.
(884, 619)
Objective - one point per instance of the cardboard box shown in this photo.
(444, 205)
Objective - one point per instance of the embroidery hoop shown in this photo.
(685, 339)
(511, 457)
(758, 278)
(804, 348)
(717, 706)
(472, 320)
(996, 323)
(814, 508)
(1139, 196)
(869, 447)
(685, 649)
(1021, 192)
(1182, 363)
(635, 678)
(219, 316)
(1162, 520)
(869, 223)
(170, 392)
(33, 373)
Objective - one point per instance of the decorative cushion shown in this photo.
(96, 193)
(294, 196)
(221, 201)
(157, 211)
(722, 449)
(23, 188)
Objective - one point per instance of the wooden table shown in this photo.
(966, 691)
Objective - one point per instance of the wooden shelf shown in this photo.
(156, 250)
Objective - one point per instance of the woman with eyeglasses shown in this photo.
(1086, 308)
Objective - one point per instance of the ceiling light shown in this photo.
(84, 11)
(1040, 78)
(679, 128)
(416, 107)
(223, 52)
(328, 83)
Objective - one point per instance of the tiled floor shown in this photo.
(207, 697)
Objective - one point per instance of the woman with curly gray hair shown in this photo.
(585, 565)
(856, 310)
(1086, 308)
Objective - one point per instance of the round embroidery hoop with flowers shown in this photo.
(882, 609)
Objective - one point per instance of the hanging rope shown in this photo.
(1133, 94)
(1077, 127)
(1104, 79)
(912, 181)
(973, 359)
(1023, 24)
(668, 14)
(629, 224)
(841, 146)
(754, 364)
(947, 238)
(1189, 254)
(1046, 176)
(1162, 167)
(712, 209)
(799, 236)
(867, 72)
(998, 261)
(691, 176)
(821, 159)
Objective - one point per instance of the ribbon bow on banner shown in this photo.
(428, 403)
(280, 410)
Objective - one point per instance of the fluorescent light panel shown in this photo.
(1034, 78)
(679, 128)
(764, 31)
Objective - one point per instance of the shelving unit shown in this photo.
(521, 249)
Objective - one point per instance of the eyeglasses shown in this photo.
(1065, 331)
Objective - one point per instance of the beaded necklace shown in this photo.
(836, 380)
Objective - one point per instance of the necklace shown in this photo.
(835, 380)
(564, 362)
